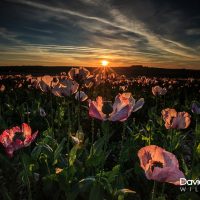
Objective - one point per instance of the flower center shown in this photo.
(156, 164)
(107, 108)
(19, 136)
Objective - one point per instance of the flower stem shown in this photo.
(52, 117)
(79, 108)
(47, 122)
(92, 142)
(68, 132)
(92, 135)
(47, 167)
(150, 134)
(123, 137)
(106, 138)
(163, 189)
(196, 127)
(195, 143)
(106, 132)
(153, 191)
(164, 101)
(171, 140)
(26, 177)
(27, 110)
(156, 108)
(156, 102)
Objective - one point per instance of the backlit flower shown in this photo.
(65, 88)
(95, 109)
(78, 73)
(157, 91)
(175, 120)
(17, 138)
(122, 108)
(45, 83)
(160, 165)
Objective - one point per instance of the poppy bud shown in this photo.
(2, 88)
(80, 135)
(42, 112)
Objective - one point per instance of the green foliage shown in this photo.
(101, 162)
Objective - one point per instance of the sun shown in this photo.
(104, 63)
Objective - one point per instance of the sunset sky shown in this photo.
(83, 32)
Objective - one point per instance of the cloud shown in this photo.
(77, 55)
(39, 30)
(121, 22)
(96, 30)
(9, 36)
(193, 31)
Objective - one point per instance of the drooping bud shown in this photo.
(80, 135)
(42, 112)
(78, 139)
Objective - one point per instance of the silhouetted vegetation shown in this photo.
(133, 71)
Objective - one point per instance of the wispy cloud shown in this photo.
(9, 36)
(121, 22)
(68, 55)
(108, 33)
(39, 30)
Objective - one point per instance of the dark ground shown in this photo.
(133, 71)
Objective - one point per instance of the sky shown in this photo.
(156, 33)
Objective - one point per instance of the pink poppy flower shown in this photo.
(82, 76)
(174, 120)
(157, 91)
(45, 83)
(95, 109)
(182, 121)
(78, 73)
(160, 165)
(123, 106)
(168, 114)
(17, 138)
(65, 88)
(2, 88)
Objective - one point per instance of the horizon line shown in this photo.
(155, 67)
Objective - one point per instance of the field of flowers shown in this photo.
(99, 136)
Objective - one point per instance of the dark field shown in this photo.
(133, 71)
(136, 142)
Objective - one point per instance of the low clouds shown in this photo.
(83, 32)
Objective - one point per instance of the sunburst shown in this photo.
(104, 63)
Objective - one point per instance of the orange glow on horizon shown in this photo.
(47, 60)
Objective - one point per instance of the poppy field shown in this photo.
(99, 136)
